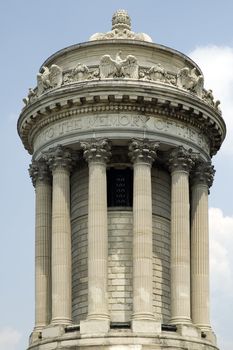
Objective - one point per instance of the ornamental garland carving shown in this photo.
(121, 68)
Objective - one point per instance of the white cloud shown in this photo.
(221, 273)
(217, 65)
(9, 338)
(221, 246)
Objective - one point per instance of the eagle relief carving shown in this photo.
(188, 79)
(49, 78)
(118, 67)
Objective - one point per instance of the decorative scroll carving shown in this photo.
(203, 173)
(39, 171)
(121, 29)
(49, 78)
(187, 79)
(97, 150)
(143, 150)
(59, 157)
(79, 73)
(118, 68)
(157, 73)
(181, 159)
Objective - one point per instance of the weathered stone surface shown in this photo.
(109, 276)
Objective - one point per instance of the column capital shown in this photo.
(39, 171)
(143, 150)
(203, 173)
(59, 157)
(181, 159)
(97, 150)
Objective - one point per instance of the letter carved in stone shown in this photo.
(187, 79)
(49, 78)
(118, 68)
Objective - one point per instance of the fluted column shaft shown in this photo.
(202, 179)
(41, 180)
(97, 154)
(142, 153)
(60, 162)
(180, 163)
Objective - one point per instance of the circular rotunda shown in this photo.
(121, 131)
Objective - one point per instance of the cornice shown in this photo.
(121, 95)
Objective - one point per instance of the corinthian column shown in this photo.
(180, 163)
(97, 153)
(142, 153)
(60, 163)
(201, 181)
(41, 179)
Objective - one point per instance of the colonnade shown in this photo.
(189, 243)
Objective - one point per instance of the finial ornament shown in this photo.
(143, 150)
(121, 29)
(121, 20)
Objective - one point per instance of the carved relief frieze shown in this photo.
(121, 68)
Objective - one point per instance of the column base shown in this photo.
(94, 326)
(188, 330)
(208, 334)
(35, 336)
(53, 331)
(145, 326)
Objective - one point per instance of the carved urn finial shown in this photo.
(121, 20)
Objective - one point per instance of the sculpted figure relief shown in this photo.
(110, 68)
(209, 98)
(30, 97)
(118, 68)
(158, 73)
(187, 79)
(49, 78)
(79, 73)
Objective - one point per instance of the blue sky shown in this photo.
(30, 31)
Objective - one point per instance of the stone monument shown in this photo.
(121, 133)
